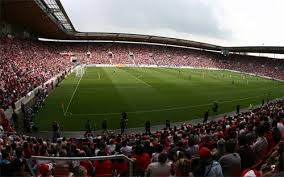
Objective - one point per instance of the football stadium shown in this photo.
(116, 88)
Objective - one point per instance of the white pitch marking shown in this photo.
(99, 75)
(163, 109)
(137, 78)
(73, 95)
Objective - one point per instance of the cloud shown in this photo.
(133, 16)
(222, 22)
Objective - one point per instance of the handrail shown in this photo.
(110, 157)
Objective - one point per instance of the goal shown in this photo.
(80, 71)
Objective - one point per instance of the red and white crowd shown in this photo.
(26, 64)
(246, 145)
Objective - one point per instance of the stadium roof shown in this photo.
(48, 19)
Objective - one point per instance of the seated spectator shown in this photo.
(103, 167)
(182, 168)
(220, 149)
(156, 154)
(207, 166)
(45, 170)
(248, 157)
(121, 167)
(261, 144)
(142, 160)
(231, 161)
(193, 146)
(80, 171)
(19, 164)
(5, 164)
(160, 168)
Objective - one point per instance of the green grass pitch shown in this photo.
(154, 94)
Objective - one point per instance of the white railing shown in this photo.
(110, 157)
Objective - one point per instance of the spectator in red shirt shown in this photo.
(142, 160)
(103, 168)
(121, 167)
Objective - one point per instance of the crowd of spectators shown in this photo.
(241, 145)
(247, 144)
(26, 64)
(139, 54)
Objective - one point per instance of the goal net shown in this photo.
(80, 71)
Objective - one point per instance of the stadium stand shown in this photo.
(25, 65)
(248, 143)
(20, 74)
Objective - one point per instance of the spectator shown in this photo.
(160, 168)
(261, 144)
(248, 157)
(5, 164)
(231, 161)
(207, 166)
(19, 164)
(182, 168)
(142, 160)
(45, 170)
(55, 130)
(103, 167)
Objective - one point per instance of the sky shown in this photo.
(220, 22)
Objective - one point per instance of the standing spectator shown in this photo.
(168, 124)
(147, 127)
(104, 126)
(122, 125)
(88, 128)
(15, 119)
(123, 122)
(238, 109)
(23, 108)
(55, 130)
(206, 115)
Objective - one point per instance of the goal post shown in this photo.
(80, 70)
